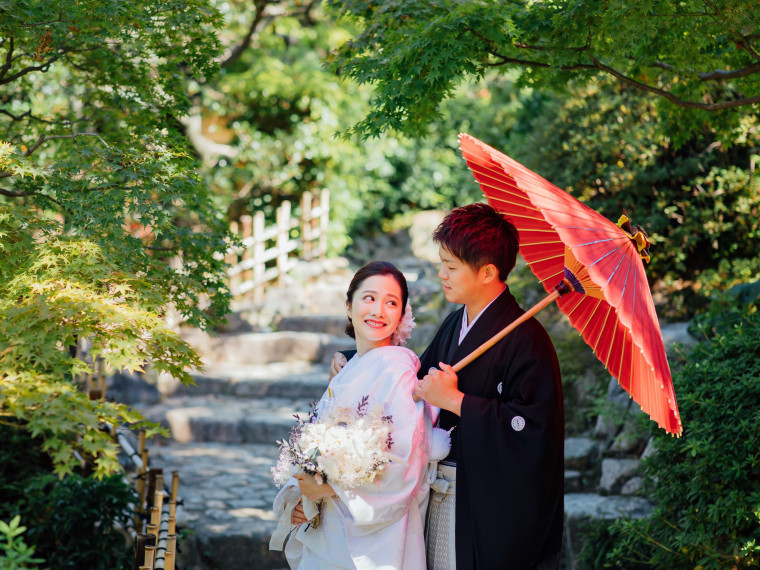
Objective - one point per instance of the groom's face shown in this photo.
(460, 282)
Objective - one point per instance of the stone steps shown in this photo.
(581, 457)
(225, 419)
(255, 348)
(331, 324)
(294, 379)
(223, 444)
(239, 404)
(584, 508)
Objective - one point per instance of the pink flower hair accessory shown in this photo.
(404, 329)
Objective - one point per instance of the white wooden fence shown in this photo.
(270, 252)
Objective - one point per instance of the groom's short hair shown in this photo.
(478, 235)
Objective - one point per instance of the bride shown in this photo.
(379, 524)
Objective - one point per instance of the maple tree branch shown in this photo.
(44, 138)
(261, 20)
(61, 52)
(584, 47)
(716, 75)
(161, 248)
(259, 6)
(21, 194)
(41, 24)
(27, 114)
(672, 98)
(44, 67)
(8, 59)
(504, 60)
(744, 42)
(13, 193)
(306, 13)
(16, 117)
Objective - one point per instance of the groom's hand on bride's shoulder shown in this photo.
(337, 363)
(439, 387)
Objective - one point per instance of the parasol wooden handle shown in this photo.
(506, 330)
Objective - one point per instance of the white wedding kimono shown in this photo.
(379, 525)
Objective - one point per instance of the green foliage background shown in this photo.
(650, 107)
(699, 202)
(132, 134)
(279, 112)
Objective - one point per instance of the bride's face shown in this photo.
(375, 310)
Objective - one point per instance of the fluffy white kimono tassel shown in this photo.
(440, 444)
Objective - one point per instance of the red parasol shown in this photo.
(592, 267)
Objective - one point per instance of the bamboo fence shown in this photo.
(269, 252)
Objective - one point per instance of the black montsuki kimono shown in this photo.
(509, 440)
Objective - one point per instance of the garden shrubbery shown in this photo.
(78, 521)
(706, 484)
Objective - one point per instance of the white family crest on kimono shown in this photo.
(380, 523)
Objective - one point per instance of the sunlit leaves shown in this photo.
(54, 293)
(104, 221)
(414, 52)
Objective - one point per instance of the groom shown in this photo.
(505, 410)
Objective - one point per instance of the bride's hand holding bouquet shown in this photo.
(339, 444)
(313, 489)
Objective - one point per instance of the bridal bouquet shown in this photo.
(342, 445)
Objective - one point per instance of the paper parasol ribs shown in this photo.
(592, 267)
